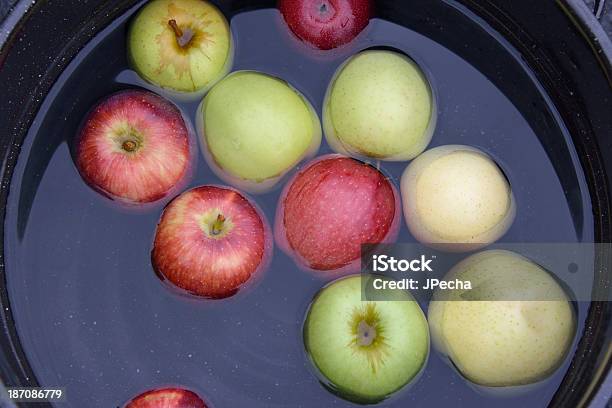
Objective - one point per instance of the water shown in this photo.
(93, 317)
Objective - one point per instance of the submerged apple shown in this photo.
(456, 198)
(167, 398)
(134, 147)
(333, 206)
(326, 24)
(254, 128)
(180, 45)
(211, 241)
(513, 328)
(380, 105)
(365, 350)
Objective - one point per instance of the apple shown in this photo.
(365, 350)
(456, 198)
(211, 241)
(134, 147)
(326, 24)
(184, 46)
(513, 328)
(379, 104)
(330, 208)
(254, 128)
(167, 398)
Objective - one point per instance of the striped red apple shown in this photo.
(211, 241)
(134, 147)
(167, 398)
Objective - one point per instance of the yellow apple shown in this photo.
(456, 198)
(513, 328)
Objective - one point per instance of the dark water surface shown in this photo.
(94, 318)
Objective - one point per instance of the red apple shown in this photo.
(332, 207)
(134, 147)
(326, 24)
(210, 241)
(167, 398)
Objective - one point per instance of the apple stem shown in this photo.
(183, 38)
(218, 225)
(177, 31)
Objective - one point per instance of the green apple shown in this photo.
(180, 45)
(379, 105)
(365, 350)
(456, 198)
(254, 128)
(513, 328)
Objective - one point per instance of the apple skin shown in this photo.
(254, 128)
(330, 208)
(514, 330)
(189, 63)
(365, 369)
(456, 199)
(380, 105)
(206, 258)
(167, 398)
(135, 147)
(326, 24)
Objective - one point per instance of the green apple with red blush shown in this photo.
(182, 46)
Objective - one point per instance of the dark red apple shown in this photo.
(167, 398)
(134, 147)
(326, 24)
(332, 207)
(210, 241)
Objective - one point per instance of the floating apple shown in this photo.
(365, 350)
(333, 206)
(326, 24)
(456, 198)
(254, 128)
(134, 147)
(167, 398)
(180, 45)
(513, 328)
(380, 105)
(211, 241)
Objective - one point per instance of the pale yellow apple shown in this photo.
(513, 328)
(379, 105)
(456, 198)
(180, 45)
